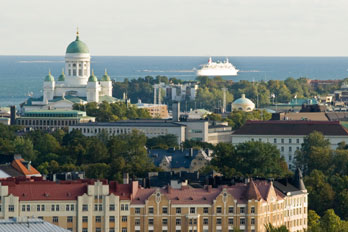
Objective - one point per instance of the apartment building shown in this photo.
(288, 136)
(98, 206)
(247, 207)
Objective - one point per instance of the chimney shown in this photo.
(191, 152)
(13, 115)
(154, 95)
(125, 178)
(176, 111)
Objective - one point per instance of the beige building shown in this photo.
(155, 110)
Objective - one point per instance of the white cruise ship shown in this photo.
(217, 69)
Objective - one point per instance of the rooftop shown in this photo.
(284, 127)
(28, 225)
(139, 123)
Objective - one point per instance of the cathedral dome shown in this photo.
(61, 77)
(49, 77)
(77, 46)
(243, 104)
(105, 77)
(92, 78)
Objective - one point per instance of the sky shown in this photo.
(176, 27)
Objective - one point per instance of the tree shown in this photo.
(330, 222)
(163, 142)
(25, 147)
(250, 159)
(97, 170)
(320, 191)
(315, 153)
(271, 228)
(313, 221)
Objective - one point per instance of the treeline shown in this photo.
(210, 93)
(111, 112)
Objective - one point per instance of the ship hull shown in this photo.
(214, 73)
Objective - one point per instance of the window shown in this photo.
(178, 210)
(67, 207)
(124, 229)
(275, 140)
(23, 207)
(84, 229)
(137, 210)
(230, 209)
(38, 208)
(241, 210)
(98, 219)
(122, 207)
(178, 221)
(290, 140)
(112, 207)
(84, 219)
(137, 221)
(290, 149)
(230, 221)
(55, 219)
(150, 210)
(53, 208)
(218, 210)
(84, 207)
(252, 221)
(164, 210)
(290, 157)
(242, 221)
(164, 221)
(252, 210)
(100, 207)
(282, 149)
(96, 207)
(218, 221)
(112, 219)
(205, 221)
(112, 230)
(192, 210)
(282, 140)
(150, 221)
(126, 207)
(42, 207)
(205, 210)
(297, 140)
(69, 219)
(124, 218)
(98, 229)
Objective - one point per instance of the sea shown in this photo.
(21, 76)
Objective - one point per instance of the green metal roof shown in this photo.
(49, 77)
(92, 78)
(105, 77)
(61, 76)
(77, 46)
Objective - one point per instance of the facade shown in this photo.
(243, 104)
(288, 136)
(52, 119)
(247, 207)
(151, 128)
(176, 92)
(88, 205)
(76, 206)
(155, 110)
(198, 130)
(76, 84)
(189, 160)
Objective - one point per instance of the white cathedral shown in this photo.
(76, 84)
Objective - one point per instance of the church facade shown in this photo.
(76, 84)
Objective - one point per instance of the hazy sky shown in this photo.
(176, 27)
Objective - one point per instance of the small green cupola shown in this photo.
(61, 76)
(77, 46)
(105, 77)
(49, 77)
(92, 78)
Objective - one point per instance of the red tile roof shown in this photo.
(45, 190)
(284, 127)
(19, 166)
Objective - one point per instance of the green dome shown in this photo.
(105, 77)
(61, 77)
(77, 46)
(92, 78)
(49, 77)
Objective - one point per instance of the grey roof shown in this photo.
(9, 170)
(179, 158)
(139, 123)
(287, 188)
(28, 225)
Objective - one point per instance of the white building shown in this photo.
(76, 84)
(288, 136)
